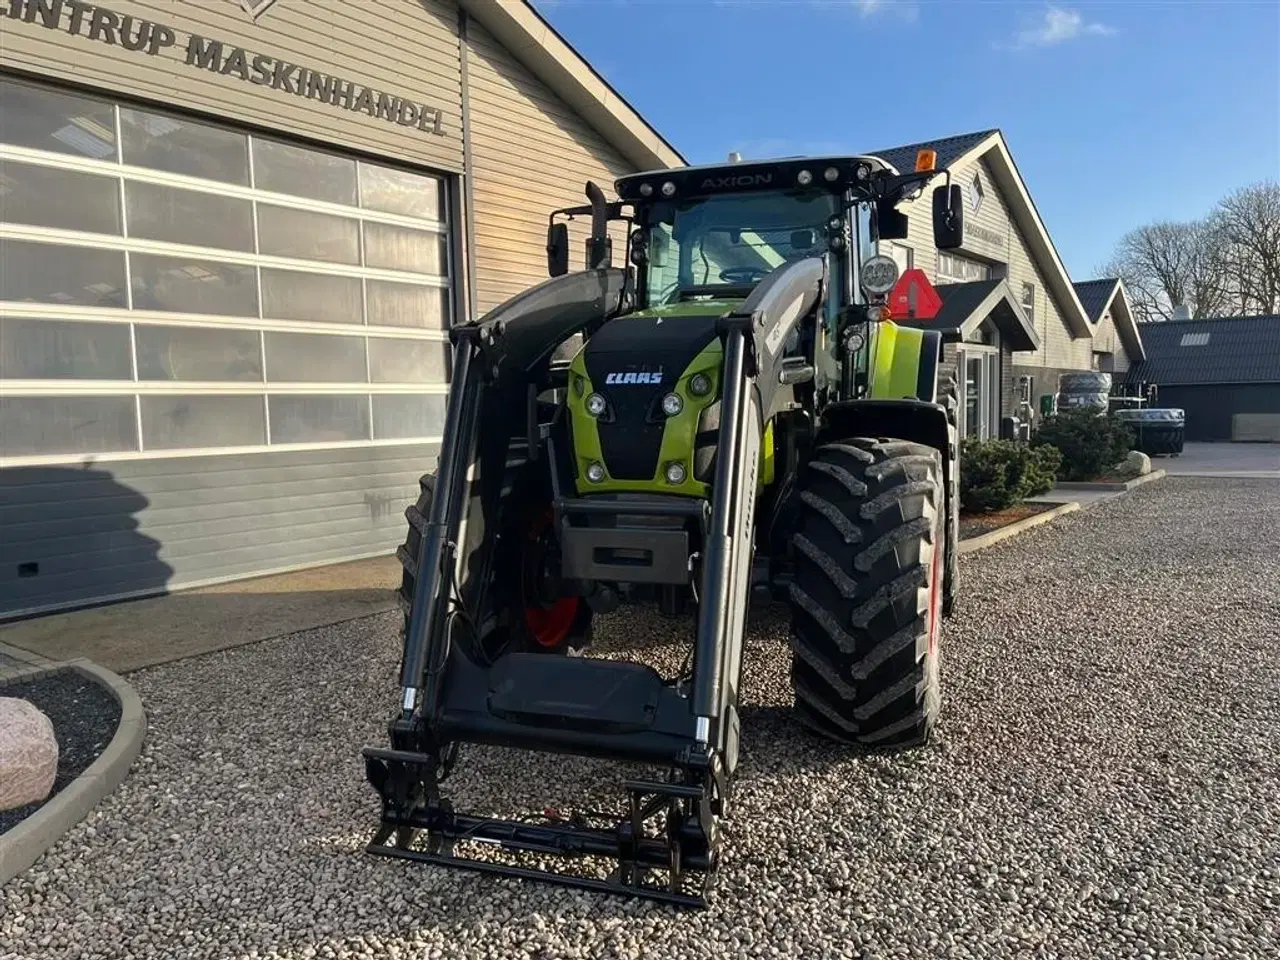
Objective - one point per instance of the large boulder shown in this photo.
(1137, 463)
(28, 754)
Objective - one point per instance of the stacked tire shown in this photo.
(1087, 389)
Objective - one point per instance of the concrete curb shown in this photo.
(992, 537)
(26, 843)
(1116, 487)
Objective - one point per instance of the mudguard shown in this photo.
(902, 402)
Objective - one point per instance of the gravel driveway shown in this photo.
(1105, 785)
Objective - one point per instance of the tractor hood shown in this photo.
(633, 362)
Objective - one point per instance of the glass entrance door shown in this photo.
(981, 394)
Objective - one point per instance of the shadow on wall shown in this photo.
(69, 536)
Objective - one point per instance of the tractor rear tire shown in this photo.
(562, 627)
(866, 597)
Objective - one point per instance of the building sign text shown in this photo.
(99, 24)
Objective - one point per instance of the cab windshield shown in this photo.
(724, 245)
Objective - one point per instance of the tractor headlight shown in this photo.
(646, 189)
(804, 178)
(596, 405)
(595, 472)
(676, 472)
(668, 189)
(831, 174)
(672, 404)
(699, 384)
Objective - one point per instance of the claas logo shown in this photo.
(625, 378)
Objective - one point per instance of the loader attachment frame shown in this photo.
(554, 704)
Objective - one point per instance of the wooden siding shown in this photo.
(991, 235)
(531, 154)
(404, 48)
(1107, 340)
(77, 534)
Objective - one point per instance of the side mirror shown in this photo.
(891, 223)
(948, 217)
(557, 249)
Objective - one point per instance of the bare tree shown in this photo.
(1226, 264)
(1166, 265)
(1247, 227)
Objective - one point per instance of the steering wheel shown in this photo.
(743, 274)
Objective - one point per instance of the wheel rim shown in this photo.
(549, 625)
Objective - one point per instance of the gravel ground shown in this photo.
(84, 718)
(1104, 785)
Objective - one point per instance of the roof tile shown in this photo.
(1222, 350)
(949, 150)
(1094, 295)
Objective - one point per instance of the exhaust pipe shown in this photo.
(599, 246)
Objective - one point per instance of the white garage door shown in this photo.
(171, 287)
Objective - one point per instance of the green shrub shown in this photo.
(995, 474)
(1090, 443)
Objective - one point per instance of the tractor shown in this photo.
(743, 414)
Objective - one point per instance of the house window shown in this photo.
(903, 255)
(954, 269)
(1029, 301)
(976, 193)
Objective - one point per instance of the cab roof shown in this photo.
(831, 172)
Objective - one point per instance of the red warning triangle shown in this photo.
(913, 297)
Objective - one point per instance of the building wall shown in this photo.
(407, 49)
(993, 237)
(1211, 409)
(88, 526)
(1107, 340)
(531, 154)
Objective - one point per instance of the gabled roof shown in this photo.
(1097, 296)
(949, 150)
(1225, 350)
(546, 54)
(990, 145)
(966, 305)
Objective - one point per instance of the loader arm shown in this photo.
(512, 342)
(584, 706)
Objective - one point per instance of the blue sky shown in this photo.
(1117, 113)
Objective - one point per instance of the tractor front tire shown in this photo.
(866, 596)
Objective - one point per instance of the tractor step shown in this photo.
(574, 693)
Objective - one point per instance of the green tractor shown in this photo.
(729, 420)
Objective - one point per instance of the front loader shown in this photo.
(730, 420)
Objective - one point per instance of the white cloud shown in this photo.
(903, 8)
(1059, 25)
